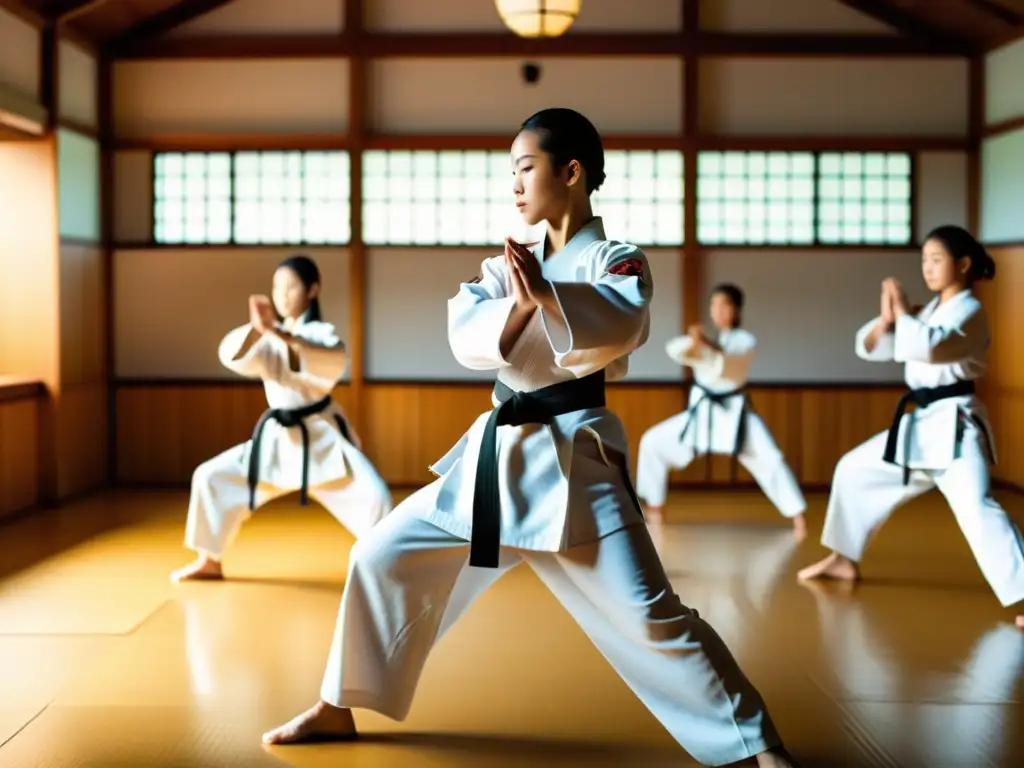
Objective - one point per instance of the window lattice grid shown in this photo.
(431, 197)
(466, 198)
(192, 198)
(292, 198)
(864, 198)
(641, 200)
(755, 198)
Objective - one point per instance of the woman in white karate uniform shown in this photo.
(541, 479)
(719, 418)
(302, 442)
(946, 442)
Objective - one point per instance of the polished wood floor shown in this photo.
(105, 664)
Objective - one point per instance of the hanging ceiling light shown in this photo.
(538, 18)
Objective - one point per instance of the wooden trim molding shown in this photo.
(20, 388)
(228, 142)
(130, 382)
(372, 45)
(1004, 126)
(87, 242)
(22, 11)
(149, 245)
(80, 128)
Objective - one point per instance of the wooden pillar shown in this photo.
(105, 119)
(357, 102)
(692, 257)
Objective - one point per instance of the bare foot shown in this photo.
(654, 515)
(1020, 621)
(322, 722)
(835, 566)
(800, 527)
(776, 758)
(773, 758)
(203, 568)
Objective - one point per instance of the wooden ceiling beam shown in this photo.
(70, 10)
(999, 11)
(910, 24)
(163, 22)
(24, 12)
(380, 45)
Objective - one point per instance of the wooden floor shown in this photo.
(105, 664)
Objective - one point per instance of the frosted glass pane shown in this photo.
(734, 233)
(829, 233)
(778, 189)
(829, 164)
(375, 223)
(898, 213)
(899, 164)
(874, 165)
(898, 234)
(173, 231)
(173, 186)
(874, 234)
(669, 224)
(803, 234)
(735, 189)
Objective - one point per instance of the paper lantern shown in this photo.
(538, 18)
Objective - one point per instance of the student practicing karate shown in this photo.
(719, 418)
(542, 479)
(302, 442)
(946, 441)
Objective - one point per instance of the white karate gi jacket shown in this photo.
(942, 344)
(558, 486)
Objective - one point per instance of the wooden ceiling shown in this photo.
(971, 26)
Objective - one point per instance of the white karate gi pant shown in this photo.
(866, 490)
(661, 450)
(219, 501)
(409, 581)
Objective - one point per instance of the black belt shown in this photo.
(289, 418)
(922, 398)
(516, 409)
(718, 399)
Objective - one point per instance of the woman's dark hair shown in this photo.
(735, 295)
(566, 135)
(960, 244)
(306, 270)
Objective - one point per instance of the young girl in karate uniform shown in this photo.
(719, 418)
(541, 479)
(946, 441)
(303, 442)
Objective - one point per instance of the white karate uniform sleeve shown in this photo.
(477, 315)
(918, 342)
(678, 349)
(599, 322)
(734, 363)
(883, 351)
(327, 360)
(256, 362)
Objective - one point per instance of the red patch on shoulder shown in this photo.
(628, 268)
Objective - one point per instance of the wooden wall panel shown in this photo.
(19, 55)
(166, 430)
(19, 454)
(1004, 98)
(82, 425)
(1003, 387)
